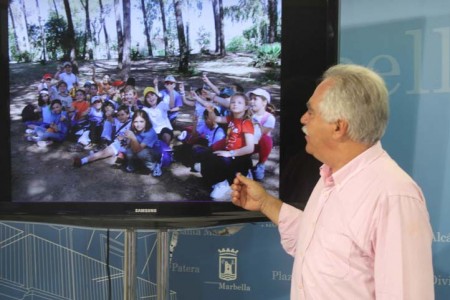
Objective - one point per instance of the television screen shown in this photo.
(148, 108)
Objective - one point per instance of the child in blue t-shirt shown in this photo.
(56, 130)
(143, 144)
(200, 142)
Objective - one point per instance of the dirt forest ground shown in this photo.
(46, 174)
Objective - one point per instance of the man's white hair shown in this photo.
(359, 96)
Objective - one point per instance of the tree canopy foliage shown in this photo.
(94, 29)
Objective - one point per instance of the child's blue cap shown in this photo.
(226, 92)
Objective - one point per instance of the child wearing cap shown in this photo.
(46, 82)
(157, 111)
(169, 94)
(264, 122)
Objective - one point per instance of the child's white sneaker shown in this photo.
(197, 167)
(221, 191)
(44, 143)
(258, 173)
(32, 138)
(182, 136)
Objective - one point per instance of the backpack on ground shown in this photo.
(28, 113)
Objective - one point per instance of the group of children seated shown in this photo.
(107, 119)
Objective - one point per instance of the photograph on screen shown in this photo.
(143, 100)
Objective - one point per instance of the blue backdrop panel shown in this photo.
(409, 43)
(234, 262)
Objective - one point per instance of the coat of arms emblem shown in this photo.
(228, 264)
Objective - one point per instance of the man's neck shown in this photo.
(345, 153)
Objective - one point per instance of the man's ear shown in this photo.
(340, 129)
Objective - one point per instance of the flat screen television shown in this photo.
(40, 182)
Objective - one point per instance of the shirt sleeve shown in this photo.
(247, 127)
(150, 138)
(270, 121)
(288, 226)
(402, 246)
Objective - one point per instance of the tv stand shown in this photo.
(129, 264)
(162, 267)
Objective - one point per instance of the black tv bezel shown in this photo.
(301, 67)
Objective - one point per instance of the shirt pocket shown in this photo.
(333, 253)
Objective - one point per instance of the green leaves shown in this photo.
(268, 55)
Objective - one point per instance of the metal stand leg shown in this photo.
(162, 268)
(129, 290)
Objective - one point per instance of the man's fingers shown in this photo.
(243, 179)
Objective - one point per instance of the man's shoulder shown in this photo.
(387, 177)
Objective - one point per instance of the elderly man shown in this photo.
(365, 231)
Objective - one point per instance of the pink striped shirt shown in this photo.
(364, 234)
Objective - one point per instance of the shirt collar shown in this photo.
(352, 167)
